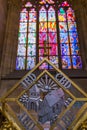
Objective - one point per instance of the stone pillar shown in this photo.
(10, 43)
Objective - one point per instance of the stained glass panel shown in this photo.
(77, 62)
(53, 50)
(44, 65)
(63, 27)
(65, 49)
(65, 4)
(70, 15)
(31, 61)
(75, 49)
(31, 50)
(43, 16)
(64, 38)
(52, 37)
(23, 27)
(43, 26)
(20, 63)
(32, 38)
(22, 38)
(23, 17)
(21, 50)
(54, 60)
(61, 15)
(72, 26)
(51, 16)
(32, 27)
(42, 37)
(32, 17)
(52, 26)
(66, 63)
(41, 52)
(73, 37)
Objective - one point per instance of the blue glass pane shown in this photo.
(31, 62)
(75, 49)
(73, 37)
(42, 16)
(32, 38)
(20, 63)
(23, 27)
(23, 17)
(66, 62)
(31, 50)
(77, 62)
(63, 27)
(32, 27)
(21, 50)
(65, 49)
(64, 38)
(72, 26)
(22, 38)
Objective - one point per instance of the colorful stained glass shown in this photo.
(20, 63)
(63, 27)
(65, 4)
(65, 49)
(61, 15)
(70, 15)
(72, 26)
(73, 37)
(43, 27)
(24, 10)
(75, 49)
(42, 37)
(52, 37)
(32, 38)
(21, 50)
(48, 1)
(66, 63)
(32, 17)
(77, 62)
(22, 38)
(23, 17)
(64, 38)
(43, 16)
(32, 27)
(51, 16)
(41, 52)
(53, 50)
(31, 61)
(28, 4)
(53, 60)
(52, 26)
(31, 50)
(23, 27)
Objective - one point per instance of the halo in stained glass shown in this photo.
(22, 38)
(23, 27)
(74, 49)
(31, 61)
(61, 15)
(43, 27)
(72, 26)
(42, 37)
(77, 62)
(52, 37)
(64, 49)
(20, 63)
(63, 27)
(73, 37)
(70, 14)
(32, 27)
(23, 17)
(21, 50)
(31, 50)
(52, 26)
(53, 60)
(64, 38)
(53, 50)
(32, 38)
(32, 17)
(66, 62)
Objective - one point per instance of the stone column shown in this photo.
(10, 42)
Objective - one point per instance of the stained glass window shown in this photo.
(51, 25)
